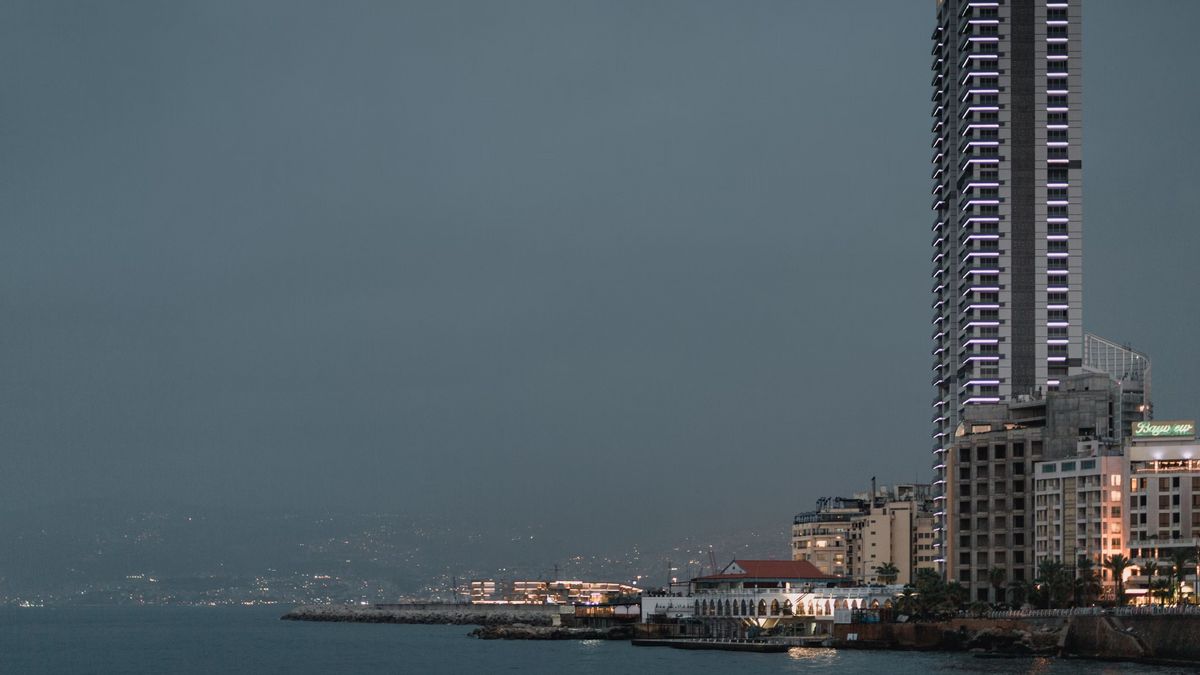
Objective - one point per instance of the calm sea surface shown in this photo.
(220, 640)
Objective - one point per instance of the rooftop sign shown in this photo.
(1164, 429)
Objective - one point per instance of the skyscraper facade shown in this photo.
(1007, 232)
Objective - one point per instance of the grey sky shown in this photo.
(648, 262)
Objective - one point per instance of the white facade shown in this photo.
(766, 607)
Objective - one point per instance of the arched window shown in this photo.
(774, 608)
(697, 611)
(762, 607)
(744, 611)
(787, 607)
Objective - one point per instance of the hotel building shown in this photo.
(992, 500)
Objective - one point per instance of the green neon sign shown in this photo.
(1164, 429)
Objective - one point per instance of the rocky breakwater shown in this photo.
(526, 632)
(978, 635)
(430, 613)
(1167, 636)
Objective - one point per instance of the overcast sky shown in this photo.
(657, 265)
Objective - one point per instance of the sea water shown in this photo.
(254, 640)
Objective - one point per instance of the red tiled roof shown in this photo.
(774, 569)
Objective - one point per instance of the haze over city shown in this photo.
(623, 272)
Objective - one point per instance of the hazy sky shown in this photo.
(619, 264)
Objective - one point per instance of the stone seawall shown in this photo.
(1146, 638)
(992, 635)
(1141, 638)
(430, 613)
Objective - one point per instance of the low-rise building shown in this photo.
(549, 592)
(785, 597)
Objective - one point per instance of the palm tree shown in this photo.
(1117, 564)
(1181, 558)
(996, 577)
(1056, 585)
(906, 602)
(930, 591)
(1161, 589)
(887, 573)
(1020, 592)
(1150, 568)
(956, 595)
(1087, 584)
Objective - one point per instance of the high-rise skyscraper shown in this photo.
(1007, 234)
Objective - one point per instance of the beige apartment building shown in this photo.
(822, 536)
(899, 532)
(1079, 507)
(851, 537)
